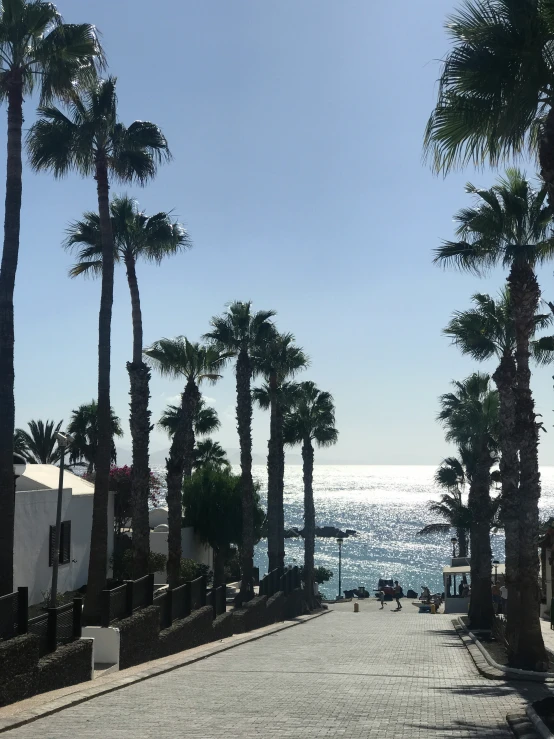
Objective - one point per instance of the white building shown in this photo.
(191, 546)
(35, 519)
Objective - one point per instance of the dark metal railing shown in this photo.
(121, 602)
(198, 593)
(14, 613)
(181, 602)
(57, 626)
(279, 579)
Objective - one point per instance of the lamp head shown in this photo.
(64, 440)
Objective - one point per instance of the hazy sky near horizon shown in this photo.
(296, 129)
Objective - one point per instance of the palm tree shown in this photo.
(470, 416)
(37, 49)
(496, 89)
(510, 225)
(242, 332)
(40, 442)
(277, 360)
(181, 359)
(83, 427)
(311, 417)
(136, 236)
(205, 419)
(210, 453)
(94, 143)
(452, 477)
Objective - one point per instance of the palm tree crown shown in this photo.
(38, 49)
(487, 330)
(509, 224)
(39, 444)
(279, 357)
(179, 357)
(497, 83)
(83, 427)
(470, 414)
(209, 453)
(312, 416)
(92, 133)
(136, 236)
(240, 328)
(205, 419)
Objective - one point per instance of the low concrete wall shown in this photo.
(139, 637)
(18, 669)
(106, 644)
(68, 665)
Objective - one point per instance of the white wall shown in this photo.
(192, 548)
(106, 644)
(35, 512)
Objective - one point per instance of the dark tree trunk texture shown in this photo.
(8, 268)
(175, 464)
(139, 378)
(273, 481)
(546, 155)
(98, 562)
(461, 533)
(481, 612)
(505, 379)
(526, 645)
(309, 519)
(244, 427)
(219, 566)
(188, 459)
(280, 444)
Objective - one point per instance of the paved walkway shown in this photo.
(371, 674)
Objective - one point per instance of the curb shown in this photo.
(541, 728)
(119, 680)
(521, 726)
(490, 669)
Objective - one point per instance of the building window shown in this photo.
(65, 544)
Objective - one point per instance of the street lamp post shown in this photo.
(495, 563)
(64, 440)
(339, 542)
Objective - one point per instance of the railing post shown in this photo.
(150, 590)
(283, 583)
(22, 610)
(52, 629)
(77, 617)
(204, 588)
(214, 602)
(188, 598)
(169, 606)
(105, 608)
(129, 597)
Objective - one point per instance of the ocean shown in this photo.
(386, 506)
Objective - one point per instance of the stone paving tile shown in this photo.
(371, 674)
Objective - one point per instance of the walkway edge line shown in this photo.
(92, 691)
(494, 671)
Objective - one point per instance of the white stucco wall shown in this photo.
(192, 548)
(35, 512)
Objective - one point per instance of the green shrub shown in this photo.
(190, 570)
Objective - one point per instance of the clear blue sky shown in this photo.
(296, 131)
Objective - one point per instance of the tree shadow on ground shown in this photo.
(467, 729)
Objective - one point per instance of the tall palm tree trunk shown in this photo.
(546, 154)
(98, 561)
(139, 378)
(461, 533)
(174, 480)
(309, 519)
(192, 405)
(481, 610)
(505, 379)
(244, 427)
(526, 646)
(280, 444)
(8, 268)
(219, 566)
(273, 481)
